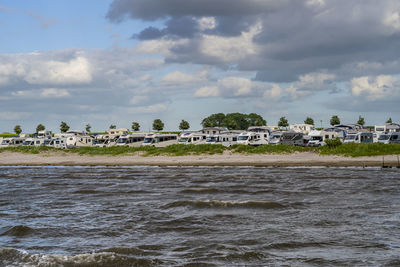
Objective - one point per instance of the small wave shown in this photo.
(130, 251)
(18, 230)
(13, 257)
(87, 191)
(226, 204)
(200, 190)
(291, 245)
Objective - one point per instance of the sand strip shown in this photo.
(295, 159)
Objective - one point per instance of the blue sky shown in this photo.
(118, 61)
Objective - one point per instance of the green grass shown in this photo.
(359, 150)
(349, 150)
(269, 149)
(28, 149)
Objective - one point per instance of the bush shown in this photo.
(332, 143)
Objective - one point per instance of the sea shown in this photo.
(199, 216)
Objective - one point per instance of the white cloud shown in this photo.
(392, 20)
(159, 47)
(273, 93)
(236, 85)
(310, 84)
(12, 116)
(207, 91)
(178, 77)
(54, 93)
(155, 108)
(43, 93)
(206, 23)
(139, 99)
(373, 89)
(75, 71)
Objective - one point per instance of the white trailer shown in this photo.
(193, 138)
(253, 138)
(160, 140)
(225, 139)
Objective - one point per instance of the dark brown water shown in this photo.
(199, 216)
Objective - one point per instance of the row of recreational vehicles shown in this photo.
(298, 135)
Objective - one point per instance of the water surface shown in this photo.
(177, 216)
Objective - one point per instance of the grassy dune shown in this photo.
(350, 150)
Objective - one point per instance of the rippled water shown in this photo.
(177, 216)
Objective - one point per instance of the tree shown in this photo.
(158, 125)
(64, 127)
(135, 126)
(283, 122)
(361, 120)
(335, 120)
(309, 121)
(40, 127)
(184, 125)
(17, 129)
(233, 121)
(112, 126)
(389, 120)
(88, 127)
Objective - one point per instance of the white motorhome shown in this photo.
(29, 142)
(132, 140)
(318, 138)
(12, 141)
(384, 138)
(359, 137)
(225, 139)
(44, 134)
(120, 131)
(394, 138)
(193, 138)
(58, 142)
(79, 141)
(302, 128)
(253, 138)
(160, 140)
(275, 138)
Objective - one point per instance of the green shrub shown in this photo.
(332, 143)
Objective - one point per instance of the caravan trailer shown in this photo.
(192, 138)
(58, 142)
(160, 140)
(275, 138)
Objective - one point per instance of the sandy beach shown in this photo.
(226, 159)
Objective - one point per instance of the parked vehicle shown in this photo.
(292, 138)
(160, 140)
(275, 138)
(58, 142)
(253, 138)
(12, 141)
(318, 138)
(194, 138)
(79, 141)
(359, 137)
(132, 140)
(225, 139)
(384, 138)
(394, 138)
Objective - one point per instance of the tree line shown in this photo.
(232, 121)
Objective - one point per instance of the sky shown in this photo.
(107, 62)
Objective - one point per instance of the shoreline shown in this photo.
(305, 159)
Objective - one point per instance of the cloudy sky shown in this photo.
(116, 61)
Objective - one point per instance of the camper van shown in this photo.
(192, 138)
(12, 141)
(359, 137)
(225, 139)
(292, 138)
(29, 142)
(160, 140)
(318, 138)
(394, 138)
(384, 138)
(253, 138)
(44, 134)
(58, 142)
(275, 138)
(79, 141)
(131, 140)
